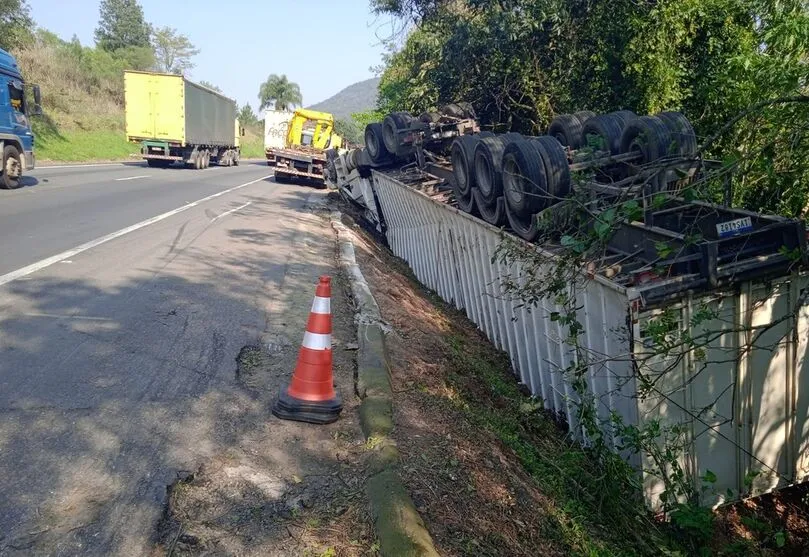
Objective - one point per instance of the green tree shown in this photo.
(349, 130)
(246, 116)
(16, 25)
(173, 51)
(280, 93)
(210, 85)
(121, 25)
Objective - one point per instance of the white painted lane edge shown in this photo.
(80, 165)
(132, 178)
(226, 213)
(39, 265)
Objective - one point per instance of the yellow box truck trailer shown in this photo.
(176, 120)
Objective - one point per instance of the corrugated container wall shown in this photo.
(209, 117)
(742, 398)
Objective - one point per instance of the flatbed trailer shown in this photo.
(302, 163)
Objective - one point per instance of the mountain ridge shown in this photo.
(358, 97)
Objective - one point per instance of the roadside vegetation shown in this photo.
(70, 74)
(522, 62)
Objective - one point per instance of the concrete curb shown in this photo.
(400, 529)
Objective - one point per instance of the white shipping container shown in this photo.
(276, 124)
(743, 397)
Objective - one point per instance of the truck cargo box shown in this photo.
(276, 124)
(167, 107)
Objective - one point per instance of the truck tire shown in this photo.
(684, 140)
(489, 168)
(603, 133)
(494, 214)
(649, 137)
(584, 115)
(468, 110)
(374, 143)
(566, 129)
(236, 156)
(557, 170)
(525, 227)
(429, 117)
(524, 183)
(12, 168)
(391, 125)
(626, 117)
(462, 155)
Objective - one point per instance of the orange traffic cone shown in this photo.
(311, 396)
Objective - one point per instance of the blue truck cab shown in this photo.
(16, 137)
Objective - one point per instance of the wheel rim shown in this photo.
(513, 181)
(389, 136)
(12, 169)
(371, 145)
(483, 172)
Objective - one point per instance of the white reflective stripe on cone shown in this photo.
(321, 305)
(314, 341)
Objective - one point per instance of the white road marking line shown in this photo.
(81, 165)
(226, 213)
(56, 316)
(132, 178)
(34, 267)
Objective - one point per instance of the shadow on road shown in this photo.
(111, 390)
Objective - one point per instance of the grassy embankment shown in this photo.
(83, 102)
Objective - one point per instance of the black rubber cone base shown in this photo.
(326, 412)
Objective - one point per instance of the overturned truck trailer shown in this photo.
(738, 391)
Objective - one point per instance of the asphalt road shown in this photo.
(63, 207)
(126, 294)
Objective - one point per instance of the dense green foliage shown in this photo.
(121, 24)
(173, 51)
(246, 116)
(521, 62)
(15, 23)
(279, 92)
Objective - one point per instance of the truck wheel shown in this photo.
(236, 159)
(682, 133)
(566, 129)
(488, 161)
(12, 168)
(603, 133)
(525, 186)
(374, 143)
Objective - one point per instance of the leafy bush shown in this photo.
(521, 62)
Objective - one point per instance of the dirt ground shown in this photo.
(473, 491)
(288, 488)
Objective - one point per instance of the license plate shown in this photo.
(735, 226)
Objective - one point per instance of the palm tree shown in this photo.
(279, 92)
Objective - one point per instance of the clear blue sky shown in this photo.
(323, 45)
